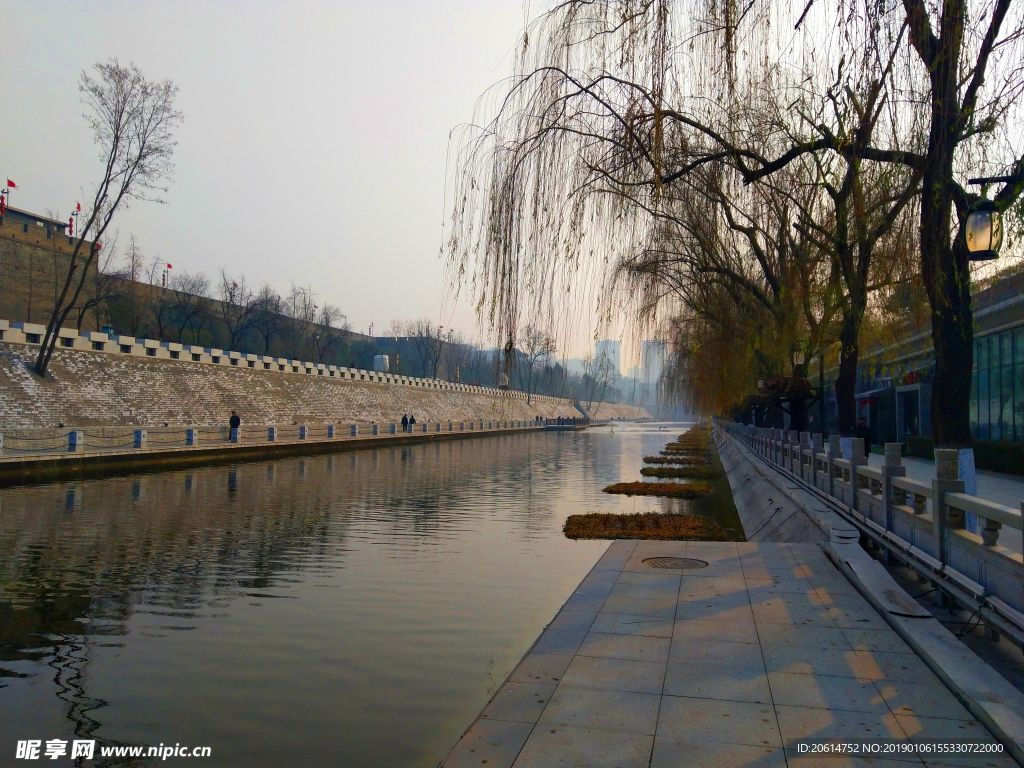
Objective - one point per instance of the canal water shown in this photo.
(354, 609)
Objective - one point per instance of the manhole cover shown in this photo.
(676, 563)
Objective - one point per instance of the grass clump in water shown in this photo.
(685, 460)
(643, 525)
(671, 490)
(692, 472)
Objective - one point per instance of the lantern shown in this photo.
(984, 231)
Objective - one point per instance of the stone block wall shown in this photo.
(120, 385)
(617, 411)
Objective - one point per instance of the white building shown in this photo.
(652, 360)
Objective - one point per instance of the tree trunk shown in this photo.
(846, 381)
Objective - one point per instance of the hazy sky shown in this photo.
(314, 143)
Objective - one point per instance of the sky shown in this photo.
(314, 144)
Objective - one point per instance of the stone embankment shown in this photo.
(616, 412)
(110, 388)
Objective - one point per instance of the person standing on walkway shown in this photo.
(412, 423)
(234, 422)
(405, 422)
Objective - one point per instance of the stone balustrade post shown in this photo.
(76, 440)
(330, 430)
(271, 434)
(192, 437)
(393, 429)
(140, 439)
(893, 467)
(376, 429)
(835, 451)
(946, 480)
(815, 448)
(857, 481)
(450, 426)
(234, 434)
(303, 431)
(355, 430)
(805, 445)
(462, 426)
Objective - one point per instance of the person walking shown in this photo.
(412, 423)
(405, 422)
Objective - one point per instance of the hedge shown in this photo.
(992, 455)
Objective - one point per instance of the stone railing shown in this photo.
(31, 334)
(924, 525)
(25, 443)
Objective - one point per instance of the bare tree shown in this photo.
(536, 347)
(238, 307)
(133, 121)
(192, 304)
(108, 286)
(268, 315)
(301, 309)
(427, 342)
(329, 330)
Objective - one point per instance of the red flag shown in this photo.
(168, 266)
(79, 206)
(11, 184)
(315, 307)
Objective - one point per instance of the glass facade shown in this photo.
(997, 391)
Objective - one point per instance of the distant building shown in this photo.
(652, 360)
(610, 350)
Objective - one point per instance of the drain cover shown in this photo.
(676, 563)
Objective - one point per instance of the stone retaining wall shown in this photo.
(101, 389)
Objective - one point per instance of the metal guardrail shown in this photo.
(922, 525)
(97, 440)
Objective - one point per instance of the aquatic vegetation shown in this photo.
(643, 525)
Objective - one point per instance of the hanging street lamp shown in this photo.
(983, 230)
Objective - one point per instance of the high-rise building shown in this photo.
(652, 360)
(611, 351)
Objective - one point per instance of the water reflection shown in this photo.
(352, 609)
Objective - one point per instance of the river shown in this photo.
(353, 609)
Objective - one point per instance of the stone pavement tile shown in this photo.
(715, 609)
(775, 609)
(645, 591)
(562, 641)
(811, 723)
(572, 620)
(826, 692)
(891, 666)
(920, 728)
(597, 583)
(853, 612)
(731, 722)
(932, 699)
(616, 674)
(626, 624)
(724, 654)
(540, 668)
(494, 743)
(590, 603)
(848, 761)
(708, 680)
(876, 640)
(834, 586)
(803, 635)
(663, 608)
(519, 702)
(702, 629)
(635, 647)
(734, 599)
(676, 753)
(807, 660)
(568, 747)
(701, 586)
(796, 586)
(616, 556)
(664, 579)
(620, 711)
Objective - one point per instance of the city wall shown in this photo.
(95, 380)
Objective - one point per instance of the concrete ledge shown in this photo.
(985, 693)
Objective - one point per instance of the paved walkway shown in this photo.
(716, 667)
(992, 486)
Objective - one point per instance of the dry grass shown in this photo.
(643, 525)
(685, 460)
(671, 490)
(693, 472)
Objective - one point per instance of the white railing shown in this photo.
(936, 528)
(41, 443)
